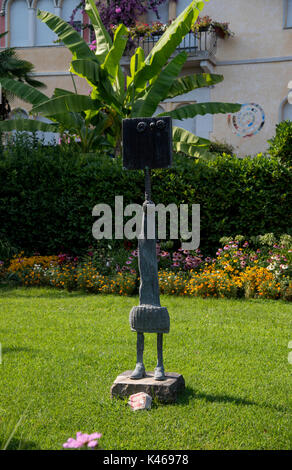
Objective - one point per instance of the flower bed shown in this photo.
(240, 269)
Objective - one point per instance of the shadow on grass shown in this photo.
(17, 349)
(19, 444)
(47, 292)
(189, 394)
(13, 292)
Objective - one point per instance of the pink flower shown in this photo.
(118, 10)
(81, 440)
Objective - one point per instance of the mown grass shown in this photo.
(62, 351)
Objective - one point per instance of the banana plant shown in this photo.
(151, 80)
(68, 118)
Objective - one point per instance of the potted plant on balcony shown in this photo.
(140, 29)
(202, 24)
(222, 29)
(158, 28)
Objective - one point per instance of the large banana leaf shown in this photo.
(70, 103)
(168, 43)
(136, 63)
(188, 143)
(86, 69)
(68, 35)
(29, 125)
(112, 61)
(103, 39)
(96, 78)
(61, 92)
(157, 92)
(188, 83)
(192, 110)
(69, 121)
(23, 91)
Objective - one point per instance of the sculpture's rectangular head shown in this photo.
(147, 142)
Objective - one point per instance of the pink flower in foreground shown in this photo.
(81, 440)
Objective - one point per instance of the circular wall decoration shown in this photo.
(248, 121)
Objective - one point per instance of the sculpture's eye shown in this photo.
(160, 124)
(141, 126)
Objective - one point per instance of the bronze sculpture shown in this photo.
(146, 145)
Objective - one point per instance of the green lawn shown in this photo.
(62, 352)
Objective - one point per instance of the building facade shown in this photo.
(256, 62)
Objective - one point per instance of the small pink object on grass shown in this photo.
(140, 401)
(91, 440)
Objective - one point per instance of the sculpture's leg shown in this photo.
(139, 371)
(159, 369)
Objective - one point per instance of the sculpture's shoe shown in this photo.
(159, 373)
(139, 372)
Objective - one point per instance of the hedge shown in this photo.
(47, 195)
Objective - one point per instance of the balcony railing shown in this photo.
(201, 44)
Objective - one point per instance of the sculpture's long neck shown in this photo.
(149, 287)
(147, 174)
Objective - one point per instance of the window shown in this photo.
(44, 35)
(67, 9)
(163, 14)
(188, 124)
(19, 24)
(288, 14)
(181, 5)
(27, 30)
(287, 112)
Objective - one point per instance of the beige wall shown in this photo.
(259, 34)
(52, 65)
(264, 84)
(259, 39)
(258, 27)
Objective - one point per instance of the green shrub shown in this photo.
(221, 147)
(6, 250)
(281, 144)
(47, 197)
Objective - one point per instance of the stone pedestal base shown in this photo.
(165, 391)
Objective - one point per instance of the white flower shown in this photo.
(271, 267)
